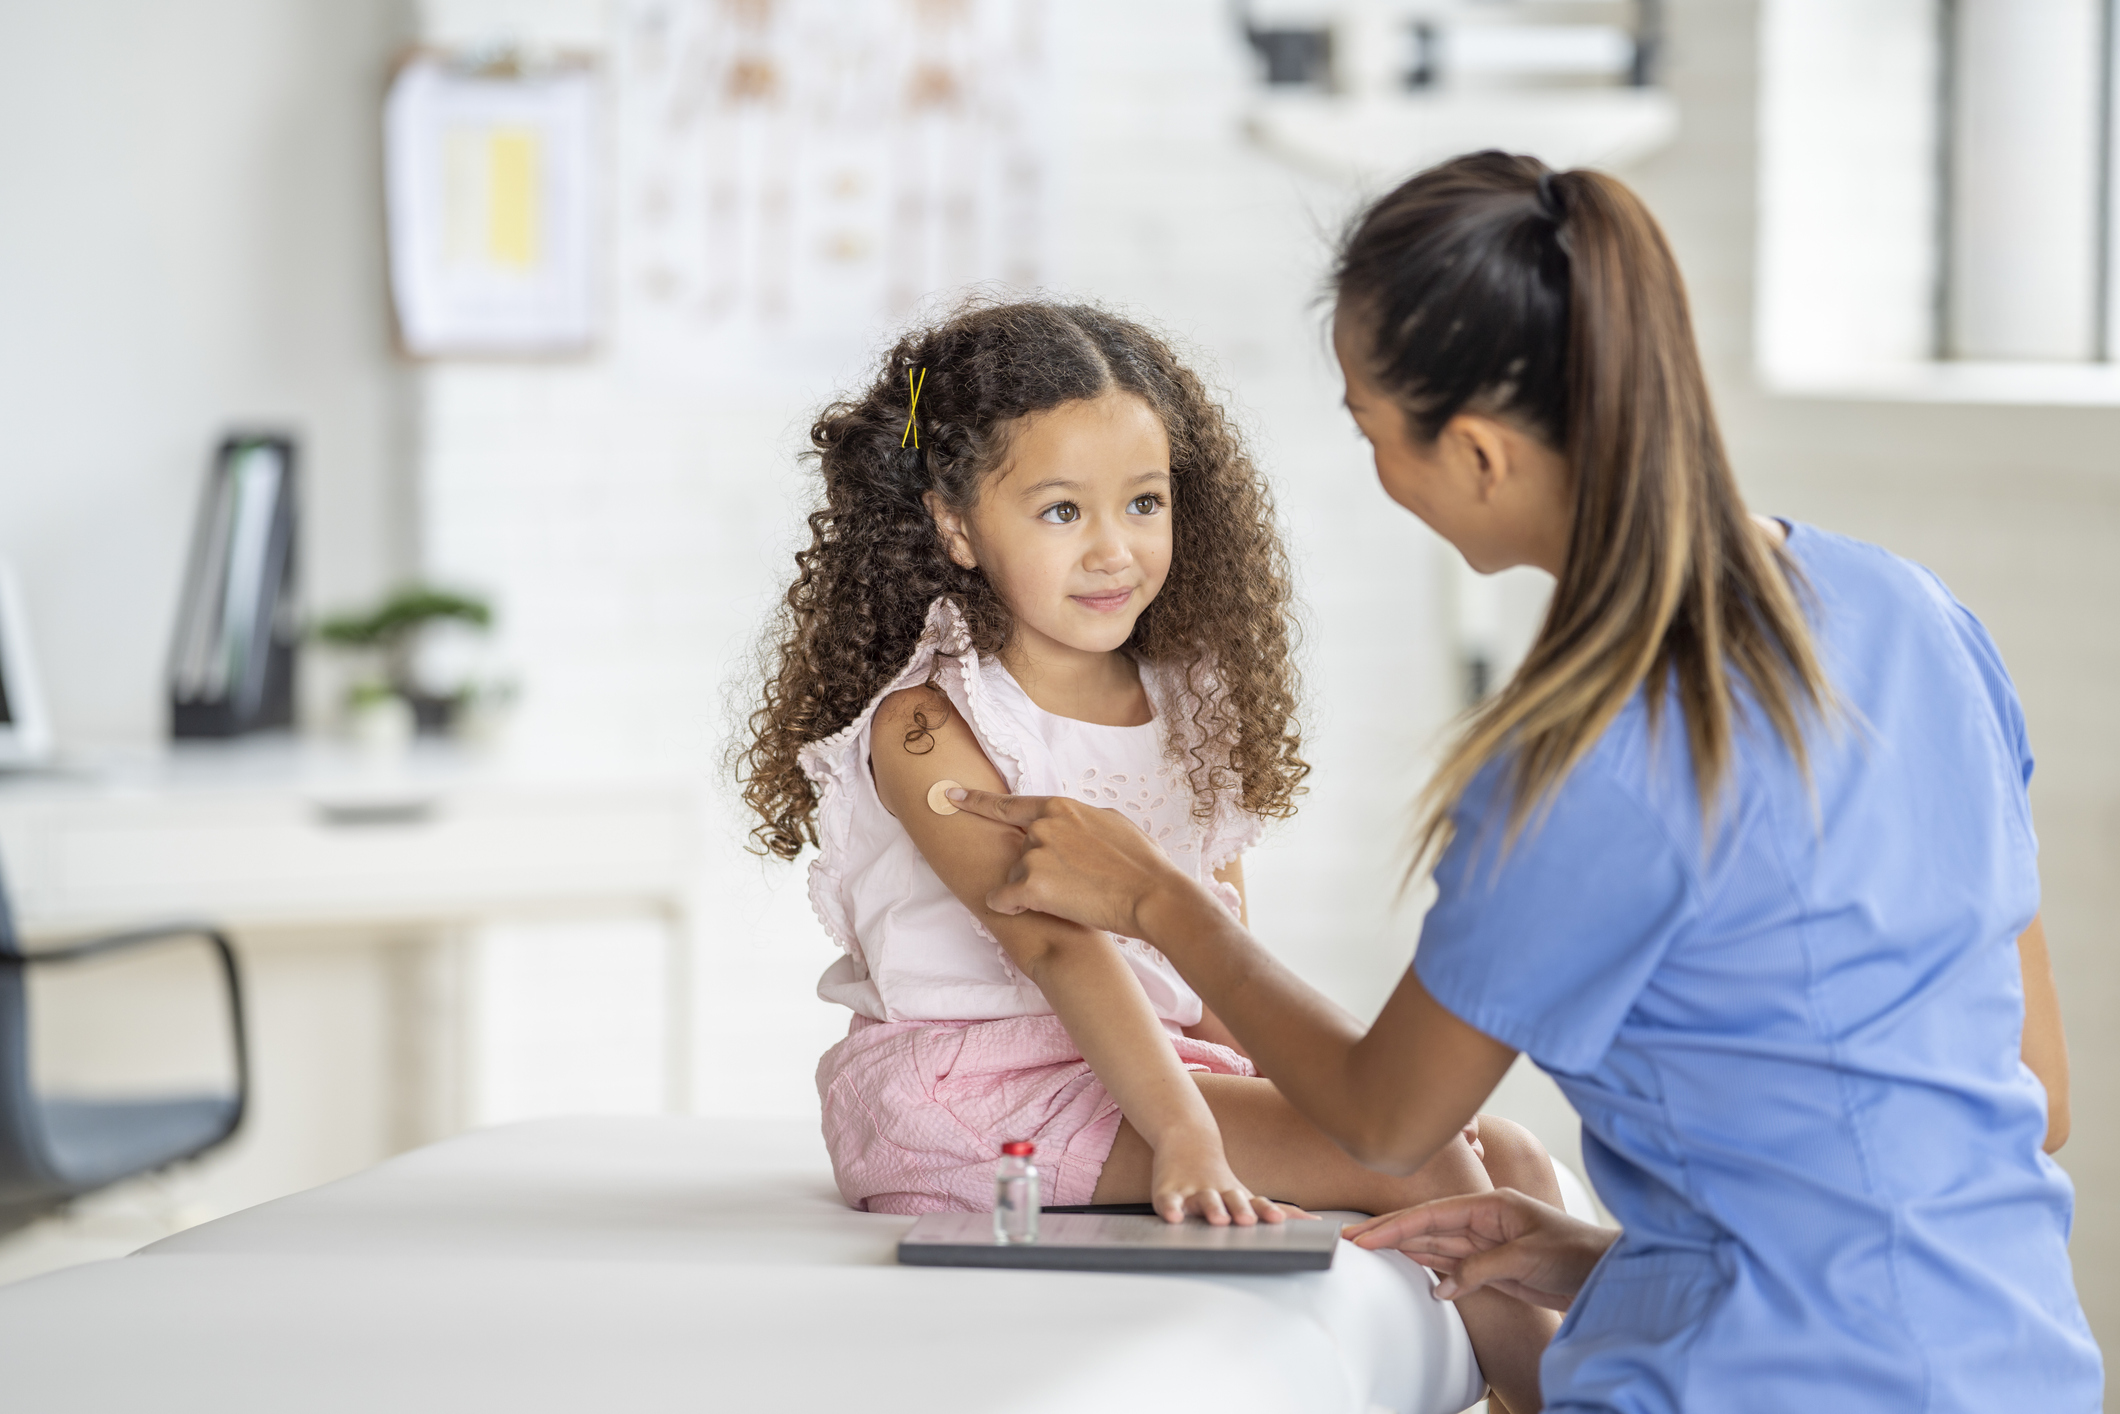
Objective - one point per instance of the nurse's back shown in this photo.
(1794, 1038)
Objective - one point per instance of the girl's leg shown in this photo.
(1279, 1153)
(1514, 1158)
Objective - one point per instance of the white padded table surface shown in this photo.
(652, 1264)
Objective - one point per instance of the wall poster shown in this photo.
(490, 178)
(797, 175)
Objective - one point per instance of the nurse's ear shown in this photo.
(1477, 452)
(1520, 486)
(949, 524)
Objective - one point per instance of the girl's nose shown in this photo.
(1108, 553)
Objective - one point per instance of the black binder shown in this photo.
(231, 669)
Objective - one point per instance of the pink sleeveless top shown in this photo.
(911, 950)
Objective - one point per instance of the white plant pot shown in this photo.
(382, 727)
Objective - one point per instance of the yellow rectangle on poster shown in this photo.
(512, 197)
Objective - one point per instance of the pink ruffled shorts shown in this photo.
(916, 1112)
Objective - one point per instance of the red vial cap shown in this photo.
(1019, 1148)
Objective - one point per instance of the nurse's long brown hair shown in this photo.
(1494, 285)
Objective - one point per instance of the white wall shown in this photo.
(189, 240)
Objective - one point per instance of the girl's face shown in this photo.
(1074, 532)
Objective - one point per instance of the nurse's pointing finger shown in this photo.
(1017, 810)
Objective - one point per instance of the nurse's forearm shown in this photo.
(2045, 1048)
(1391, 1097)
(1276, 1014)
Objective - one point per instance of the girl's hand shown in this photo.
(1094, 867)
(1192, 1177)
(1501, 1239)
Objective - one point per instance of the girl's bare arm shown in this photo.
(2045, 1048)
(1391, 1098)
(918, 740)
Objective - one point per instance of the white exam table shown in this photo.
(684, 1264)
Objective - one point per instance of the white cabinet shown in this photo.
(385, 918)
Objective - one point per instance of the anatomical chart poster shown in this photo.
(799, 175)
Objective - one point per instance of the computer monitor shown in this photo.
(25, 733)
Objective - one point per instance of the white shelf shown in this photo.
(2020, 384)
(1376, 139)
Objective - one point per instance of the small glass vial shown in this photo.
(1016, 1194)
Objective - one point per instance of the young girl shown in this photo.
(1044, 564)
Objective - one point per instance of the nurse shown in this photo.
(1741, 856)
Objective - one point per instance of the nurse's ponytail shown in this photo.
(1493, 285)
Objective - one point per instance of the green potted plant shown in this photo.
(390, 636)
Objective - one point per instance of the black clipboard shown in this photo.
(1108, 1241)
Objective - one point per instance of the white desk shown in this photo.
(280, 841)
(275, 833)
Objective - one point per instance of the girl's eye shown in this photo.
(1066, 513)
(1146, 504)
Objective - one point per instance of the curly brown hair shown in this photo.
(876, 561)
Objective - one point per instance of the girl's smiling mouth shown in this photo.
(1103, 603)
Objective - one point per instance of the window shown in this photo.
(1937, 199)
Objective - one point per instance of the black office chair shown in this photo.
(52, 1148)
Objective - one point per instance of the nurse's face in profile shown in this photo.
(1496, 492)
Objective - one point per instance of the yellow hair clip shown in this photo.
(913, 388)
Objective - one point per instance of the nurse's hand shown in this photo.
(1090, 866)
(1502, 1239)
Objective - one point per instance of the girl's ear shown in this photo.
(950, 526)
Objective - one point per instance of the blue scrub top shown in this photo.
(1794, 1047)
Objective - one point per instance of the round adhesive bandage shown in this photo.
(938, 797)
